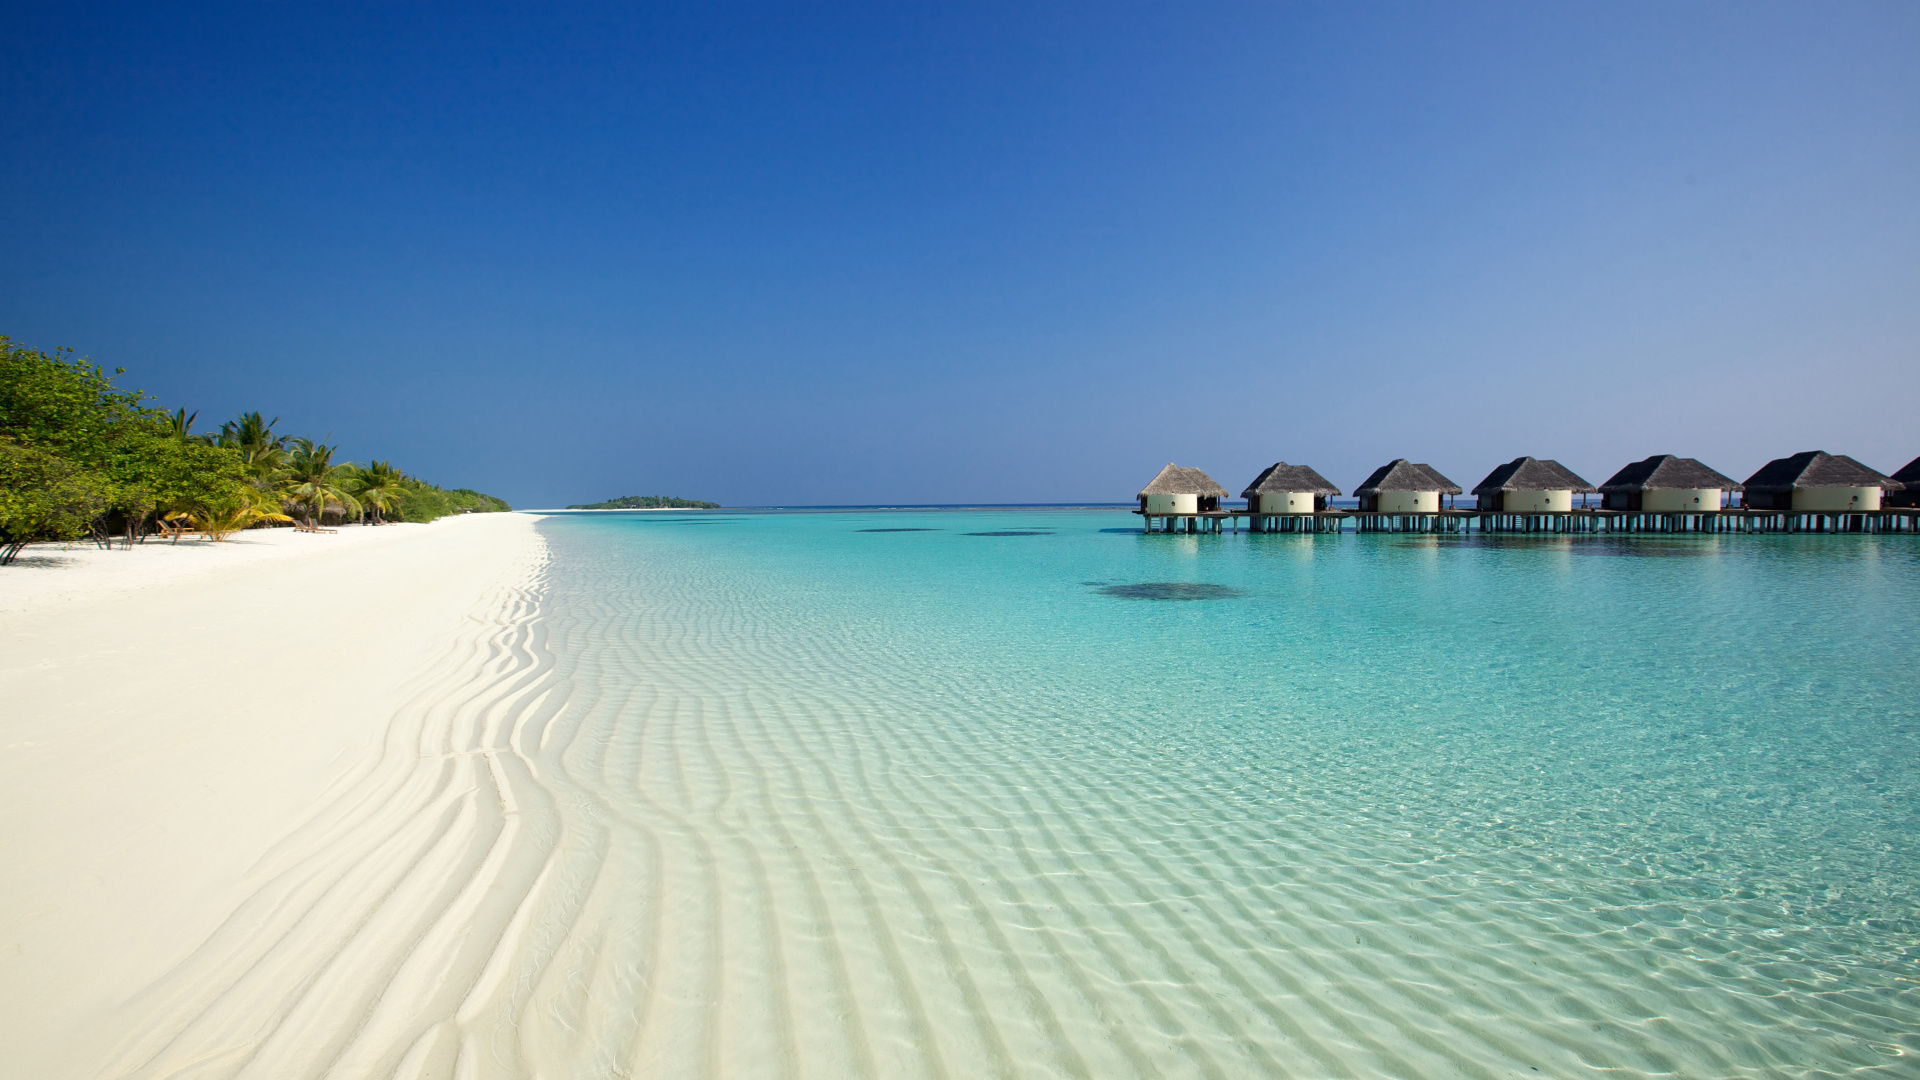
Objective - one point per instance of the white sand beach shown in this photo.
(595, 799)
(171, 714)
(59, 574)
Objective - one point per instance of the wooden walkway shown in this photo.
(1735, 520)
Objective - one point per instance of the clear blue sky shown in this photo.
(805, 254)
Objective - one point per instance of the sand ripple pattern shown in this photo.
(386, 937)
(646, 821)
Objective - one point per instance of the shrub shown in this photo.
(43, 497)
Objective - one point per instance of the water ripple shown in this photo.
(678, 809)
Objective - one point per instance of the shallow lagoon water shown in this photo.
(951, 803)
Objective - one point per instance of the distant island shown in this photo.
(648, 502)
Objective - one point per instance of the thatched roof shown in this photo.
(1909, 474)
(1532, 474)
(1174, 480)
(1664, 471)
(1281, 477)
(1817, 468)
(1403, 475)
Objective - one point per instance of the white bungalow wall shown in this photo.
(1679, 500)
(1837, 499)
(1538, 502)
(1285, 502)
(1409, 502)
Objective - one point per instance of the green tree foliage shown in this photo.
(179, 427)
(249, 431)
(469, 501)
(423, 502)
(151, 466)
(648, 502)
(221, 518)
(66, 407)
(262, 452)
(316, 484)
(43, 497)
(138, 458)
(83, 456)
(379, 487)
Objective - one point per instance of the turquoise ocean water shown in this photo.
(1028, 793)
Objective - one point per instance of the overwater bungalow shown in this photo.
(1530, 486)
(1814, 481)
(1288, 489)
(1403, 487)
(1909, 475)
(1178, 491)
(1665, 484)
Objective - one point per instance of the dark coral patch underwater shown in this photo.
(1171, 590)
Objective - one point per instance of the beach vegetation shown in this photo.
(43, 497)
(179, 426)
(420, 501)
(80, 456)
(378, 486)
(221, 518)
(149, 472)
(316, 484)
(648, 502)
(137, 458)
(250, 431)
(62, 405)
(262, 453)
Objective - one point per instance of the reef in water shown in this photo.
(1171, 590)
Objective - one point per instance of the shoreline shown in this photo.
(639, 804)
(166, 740)
(60, 573)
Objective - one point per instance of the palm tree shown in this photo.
(315, 482)
(179, 426)
(378, 487)
(263, 453)
(264, 463)
(221, 518)
(247, 431)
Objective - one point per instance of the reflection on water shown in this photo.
(1650, 547)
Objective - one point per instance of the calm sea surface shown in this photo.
(1027, 793)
